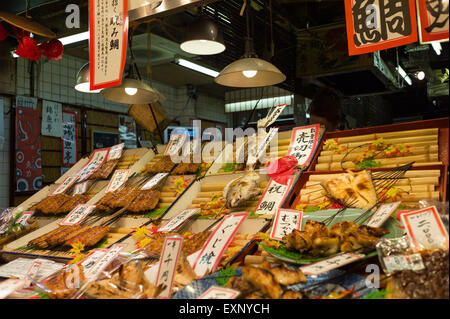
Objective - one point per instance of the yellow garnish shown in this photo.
(77, 247)
(140, 232)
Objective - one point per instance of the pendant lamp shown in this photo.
(203, 37)
(83, 79)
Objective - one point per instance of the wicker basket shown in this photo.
(143, 116)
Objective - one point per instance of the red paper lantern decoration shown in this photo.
(28, 49)
(52, 49)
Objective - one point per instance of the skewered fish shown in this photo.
(105, 170)
(164, 165)
(146, 200)
(241, 189)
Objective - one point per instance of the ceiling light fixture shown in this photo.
(203, 38)
(83, 78)
(437, 47)
(404, 75)
(250, 71)
(196, 67)
(420, 75)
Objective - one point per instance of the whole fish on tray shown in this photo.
(241, 189)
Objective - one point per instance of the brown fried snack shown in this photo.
(105, 170)
(65, 284)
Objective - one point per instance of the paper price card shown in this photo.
(217, 243)
(119, 178)
(425, 229)
(8, 286)
(154, 181)
(115, 152)
(92, 259)
(215, 292)
(80, 188)
(330, 264)
(175, 144)
(25, 217)
(272, 116)
(286, 220)
(407, 262)
(33, 271)
(168, 264)
(269, 137)
(303, 143)
(178, 220)
(65, 185)
(104, 261)
(97, 159)
(273, 197)
(382, 214)
(77, 214)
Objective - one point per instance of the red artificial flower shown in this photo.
(28, 49)
(3, 33)
(280, 170)
(52, 49)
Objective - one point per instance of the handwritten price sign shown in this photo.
(382, 214)
(273, 197)
(286, 220)
(168, 264)
(303, 143)
(178, 220)
(77, 214)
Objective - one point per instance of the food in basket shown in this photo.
(241, 189)
(317, 240)
(352, 189)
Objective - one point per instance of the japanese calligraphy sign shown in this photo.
(77, 214)
(51, 118)
(92, 259)
(168, 264)
(25, 217)
(217, 243)
(33, 270)
(108, 27)
(115, 152)
(104, 261)
(65, 185)
(178, 220)
(263, 145)
(69, 142)
(97, 159)
(433, 20)
(175, 144)
(331, 263)
(273, 197)
(272, 116)
(403, 262)
(119, 178)
(382, 214)
(374, 25)
(154, 181)
(215, 292)
(8, 286)
(425, 229)
(80, 188)
(286, 220)
(303, 143)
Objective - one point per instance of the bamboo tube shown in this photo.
(387, 135)
(351, 156)
(405, 188)
(412, 197)
(408, 174)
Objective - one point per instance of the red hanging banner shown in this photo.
(108, 30)
(433, 20)
(379, 24)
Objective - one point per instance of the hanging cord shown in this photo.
(27, 7)
(244, 5)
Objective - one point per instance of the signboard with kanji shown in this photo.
(433, 20)
(69, 139)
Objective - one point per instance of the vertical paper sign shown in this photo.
(77, 214)
(168, 264)
(382, 214)
(272, 116)
(97, 159)
(80, 188)
(119, 178)
(115, 152)
(215, 292)
(108, 29)
(273, 197)
(263, 146)
(425, 229)
(212, 251)
(175, 144)
(331, 263)
(303, 144)
(69, 142)
(175, 223)
(154, 181)
(51, 118)
(65, 185)
(104, 261)
(23, 219)
(433, 20)
(286, 220)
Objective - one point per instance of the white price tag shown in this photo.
(330, 264)
(92, 259)
(65, 185)
(154, 181)
(119, 178)
(33, 271)
(217, 243)
(382, 214)
(407, 262)
(175, 223)
(25, 217)
(77, 215)
(286, 220)
(272, 116)
(80, 188)
(273, 197)
(97, 159)
(115, 152)
(175, 144)
(168, 264)
(425, 229)
(104, 261)
(303, 143)
(215, 292)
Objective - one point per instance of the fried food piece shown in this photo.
(64, 285)
(186, 168)
(90, 236)
(105, 170)
(358, 242)
(146, 200)
(41, 241)
(241, 189)
(315, 229)
(289, 294)
(196, 242)
(51, 204)
(75, 231)
(298, 240)
(102, 204)
(124, 197)
(341, 229)
(284, 275)
(164, 165)
(262, 280)
(373, 231)
(73, 202)
(325, 246)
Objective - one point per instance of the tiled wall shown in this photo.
(4, 157)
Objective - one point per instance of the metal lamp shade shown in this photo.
(144, 93)
(267, 74)
(83, 79)
(203, 38)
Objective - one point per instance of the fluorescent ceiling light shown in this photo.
(196, 67)
(436, 47)
(263, 103)
(404, 75)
